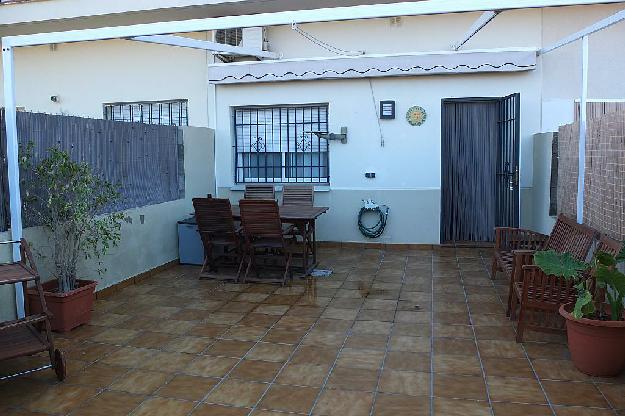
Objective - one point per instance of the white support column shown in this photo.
(582, 133)
(13, 163)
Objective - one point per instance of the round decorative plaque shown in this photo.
(416, 116)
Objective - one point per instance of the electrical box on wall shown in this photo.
(387, 110)
(370, 175)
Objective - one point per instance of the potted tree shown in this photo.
(595, 323)
(67, 198)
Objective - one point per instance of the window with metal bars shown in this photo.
(168, 113)
(277, 144)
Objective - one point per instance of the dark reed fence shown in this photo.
(145, 161)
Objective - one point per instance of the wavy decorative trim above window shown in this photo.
(428, 63)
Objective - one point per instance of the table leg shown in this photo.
(314, 242)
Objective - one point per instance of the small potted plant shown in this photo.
(595, 324)
(67, 199)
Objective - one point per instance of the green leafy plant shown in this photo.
(604, 267)
(68, 198)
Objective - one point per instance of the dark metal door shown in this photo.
(507, 181)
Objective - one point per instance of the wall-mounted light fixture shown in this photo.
(387, 110)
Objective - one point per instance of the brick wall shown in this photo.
(604, 192)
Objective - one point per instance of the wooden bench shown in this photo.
(515, 247)
(539, 295)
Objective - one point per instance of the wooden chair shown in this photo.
(515, 247)
(298, 195)
(32, 334)
(303, 196)
(217, 230)
(265, 240)
(260, 192)
(539, 296)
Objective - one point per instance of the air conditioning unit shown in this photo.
(248, 37)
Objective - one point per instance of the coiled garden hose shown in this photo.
(376, 230)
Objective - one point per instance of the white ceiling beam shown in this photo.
(600, 25)
(479, 23)
(425, 7)
(206, 45)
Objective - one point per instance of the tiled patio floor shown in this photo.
(390, 333)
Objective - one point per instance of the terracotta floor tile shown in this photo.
(408, 361)
(412, 330)
(140, 381)
(219, 410)
(515, 409)
(259, 319)
(284, 336)
(229, 348)
(508, 367)
(500, 349)
(405, 382)
(185, 387)
(372, 327)
(116, 336)
(369, 359)
(459, 387)
(453, 331)
(89, 351)
(244, 333)
(582, 411)
(558, 370)
(345, 378)
(254, 370)
(150, 340)
(410, 344)
(401, 405)
(21, 391)
(272, 309)
(110, 403)
(210, 366)
(324, 338)
(130, 357)
(171, 362)
(454, 346)
(515, 390)
(163, 407)
(333, 325)
(97, 375)
(237, 393)
(187, 344)
(303, 375)
(343, 403)
(615, 393)
(366, 342)
(536, 350)
(289, 398)
(451, 407)
(503, 333)
(270, 352)
(314, 355)
(209, 330)
(61, 398)
(574, 394)
(457, 364)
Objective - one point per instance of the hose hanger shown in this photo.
(377, 229)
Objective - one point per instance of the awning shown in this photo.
(367, 66)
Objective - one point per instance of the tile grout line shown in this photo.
(388, 341)
(477, 347)
(432, 334)
(527, 357)
(348, 334)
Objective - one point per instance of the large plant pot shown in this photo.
(597, 347)
(70, 309)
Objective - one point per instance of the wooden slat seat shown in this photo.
(303, 195)
(539, 296)
(260, 192)
(20, 340)
(14, 273)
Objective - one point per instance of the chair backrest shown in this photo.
(569, 236)
(260, 219)
(609, 245)
(298, 195)
(214, 219)
(260, 192)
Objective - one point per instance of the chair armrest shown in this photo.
(509, 239)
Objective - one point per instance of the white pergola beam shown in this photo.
(184, 42)
(589, 30)
(479, 23)
(581, 159)
(15, 200)
(425, 7)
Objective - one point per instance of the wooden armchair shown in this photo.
(265, 240)
(260, 192)
(301, 195)
(217, 230)
(515, 247)
(539, 296)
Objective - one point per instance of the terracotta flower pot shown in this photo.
(70, 309)
(597, 347)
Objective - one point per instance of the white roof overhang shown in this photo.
(368, 66)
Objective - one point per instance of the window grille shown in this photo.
(168, 113)
(276, 144)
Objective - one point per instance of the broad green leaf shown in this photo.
(559, 264)
(620, 257)
(583, 305)
(612, 278)
(605, 258)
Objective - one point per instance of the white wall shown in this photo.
(150, 240)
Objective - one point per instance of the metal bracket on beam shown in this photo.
(217, 48)
(481, 21)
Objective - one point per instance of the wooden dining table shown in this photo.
(304, 219)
